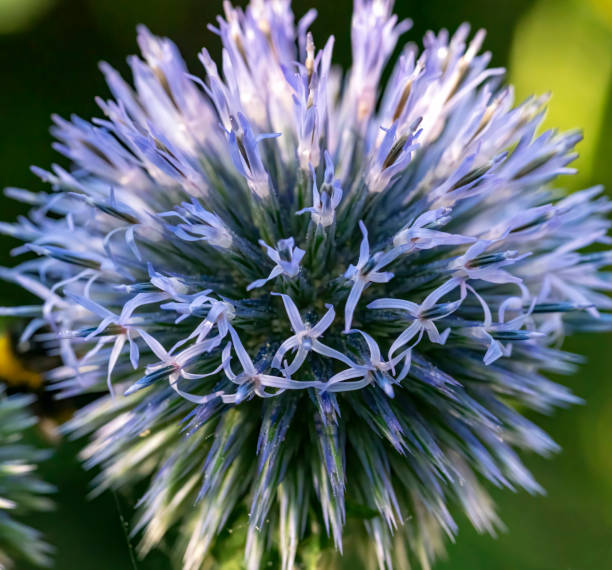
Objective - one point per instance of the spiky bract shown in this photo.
(21, 490)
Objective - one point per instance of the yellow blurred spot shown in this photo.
(17, 15)
(49, 428)
(603, 8)
(11, 368)
(565, 47)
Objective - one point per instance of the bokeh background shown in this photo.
(49, 51)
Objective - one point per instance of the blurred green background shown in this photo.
(49, 50)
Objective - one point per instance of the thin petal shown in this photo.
(324, 323)
(243, 356)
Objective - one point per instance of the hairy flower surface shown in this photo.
(21, 491)
(314, 298)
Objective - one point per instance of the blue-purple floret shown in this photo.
(306, 291)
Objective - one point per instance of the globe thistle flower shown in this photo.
(303, 299)
(21, 490)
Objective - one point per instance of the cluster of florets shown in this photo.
(304, 289)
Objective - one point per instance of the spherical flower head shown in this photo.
(295, 292)
(21, 491)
